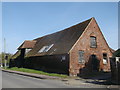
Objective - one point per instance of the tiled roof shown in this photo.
(28, 44)
(62, 40)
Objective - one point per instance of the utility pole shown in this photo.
(1, 60)
(5, 52)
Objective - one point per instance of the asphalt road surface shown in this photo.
(10, 80)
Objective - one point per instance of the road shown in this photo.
(10, 80)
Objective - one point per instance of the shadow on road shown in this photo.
(101, 78)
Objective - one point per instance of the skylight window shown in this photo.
(42, 49)
(49, 47)
(45, 48)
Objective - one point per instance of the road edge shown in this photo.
(40, 76)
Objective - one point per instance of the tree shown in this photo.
(2, 57)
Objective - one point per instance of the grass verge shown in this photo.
(36, 72)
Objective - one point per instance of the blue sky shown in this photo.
(0, 27)
(27, 20)
(119, 25)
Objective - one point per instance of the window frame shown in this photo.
(105, 58)
(93, 42)
(81, 59)
(27, 50)
(45, 48)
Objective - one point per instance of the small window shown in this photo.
(105, 61)
(42, 49)
(49, 47)
(27, 50)
(93, 42)
(63, 58)
(81, 56)
(45, 48)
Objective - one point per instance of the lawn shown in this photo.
(36, 72)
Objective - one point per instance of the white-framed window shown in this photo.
(63, 57)
(45, 48)
(93, 43)
(105, 60)
(27, 50)
(81, 56)
(49, 47)
(42, 49)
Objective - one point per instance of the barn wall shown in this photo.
(84, 44)
(53, 63)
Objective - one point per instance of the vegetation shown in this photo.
(2, 57)
(36, 72)
(16, 55)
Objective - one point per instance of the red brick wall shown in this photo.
(83, 43)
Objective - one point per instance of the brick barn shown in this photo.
(78, 49)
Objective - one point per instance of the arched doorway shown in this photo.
(94, 63)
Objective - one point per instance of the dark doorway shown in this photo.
(95, 63)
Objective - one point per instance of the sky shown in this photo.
(119, 25)
(29, 20)
(0, 27)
